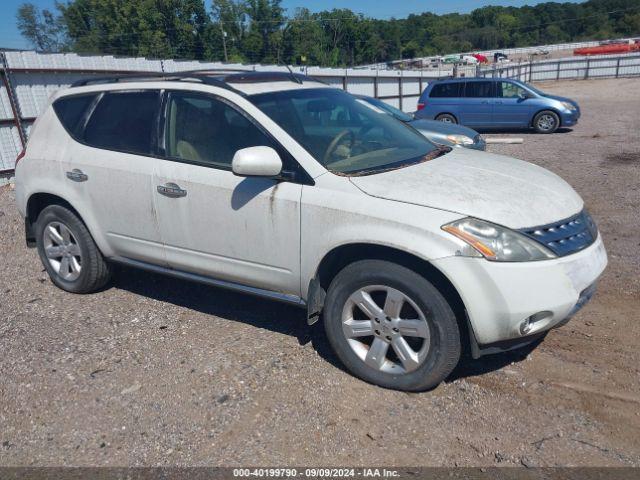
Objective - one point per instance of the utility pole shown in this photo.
(224, 42)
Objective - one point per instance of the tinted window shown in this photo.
(509, 90)
(452, 89)
(71, 109)
(478, 90)
(123, 121)
(206, 130)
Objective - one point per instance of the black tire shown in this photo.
(444, 344)
(95, 272)
(546, 122)
(447, 118)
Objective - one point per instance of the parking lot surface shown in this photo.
(157, 371)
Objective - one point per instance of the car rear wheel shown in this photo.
(546, 122)
(447, 118)
(390, 326)
(68, 252)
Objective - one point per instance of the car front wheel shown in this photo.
(390, 326)
(546, 122)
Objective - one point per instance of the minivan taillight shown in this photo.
(420, 106)
(20, 156)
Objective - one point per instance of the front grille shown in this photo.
(567, 236)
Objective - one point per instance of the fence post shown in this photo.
(420, 83)
(558, 71)
(375, 86)
(618, 67)
(344, 81)
(586, 72)
(400, 91)
(13, 99)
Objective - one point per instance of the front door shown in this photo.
(213, 223)
(511, 107)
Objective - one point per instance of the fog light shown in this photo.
(527, 323)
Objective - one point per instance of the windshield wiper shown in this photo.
(438, 152)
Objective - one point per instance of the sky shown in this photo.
(11, 38)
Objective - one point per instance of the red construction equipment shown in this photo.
(609, 49)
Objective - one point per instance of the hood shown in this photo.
(495, 188)
(561, 99)
(444, 129)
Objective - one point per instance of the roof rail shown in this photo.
(208, 77)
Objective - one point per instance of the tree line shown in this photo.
(258, 31)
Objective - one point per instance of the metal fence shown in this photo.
(28, 79)
(602, 66)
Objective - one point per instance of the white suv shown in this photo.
(278, 185)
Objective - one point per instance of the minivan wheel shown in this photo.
(68, 252)
(447, 118)
(546, 122)
(390, 326)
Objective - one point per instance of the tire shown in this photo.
(447, 118)
(356, 344)
(546, 122)
(85, 270)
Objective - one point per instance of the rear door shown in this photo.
(511, 109)
(443, 98)
(109, 165)
(213, 223)
(476, 109)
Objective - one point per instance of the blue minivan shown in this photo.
(487, 103)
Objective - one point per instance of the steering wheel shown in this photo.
(336, 141)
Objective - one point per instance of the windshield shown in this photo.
(343, 134)
(530, 87)
(399, 114)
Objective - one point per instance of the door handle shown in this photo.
(77, 175)
(171, 190)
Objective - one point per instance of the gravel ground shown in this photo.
(156, 371)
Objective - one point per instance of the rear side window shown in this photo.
(479, 89)
(124, 121)
(447, 90)
(70, 111)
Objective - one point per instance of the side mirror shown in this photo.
(256, 162)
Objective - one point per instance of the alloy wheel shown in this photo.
(386, 329)
(546, 122)
(62, 251)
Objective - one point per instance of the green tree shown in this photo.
(42, 28)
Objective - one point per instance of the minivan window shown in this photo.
(124, 121)
(203, 129)
(447, 90)
(478, 90)
(71, 109)
(344, 135)
(509, 90)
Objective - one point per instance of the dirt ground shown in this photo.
(157, 371)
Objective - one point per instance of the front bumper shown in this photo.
(499, 296)
(569, 119)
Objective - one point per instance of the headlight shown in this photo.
(460, 139)
(569, 106)
(495, 242)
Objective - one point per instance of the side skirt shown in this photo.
(214, 282)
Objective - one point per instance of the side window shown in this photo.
(206, 130)
(124, 121)
(71, 109)
(479, 89)
(447, 90)
(509, 90)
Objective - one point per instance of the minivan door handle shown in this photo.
(77, 175)
(171, 190)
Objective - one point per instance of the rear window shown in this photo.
(478, 89)
(447, 90)
(70, 111)
(124, 121)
